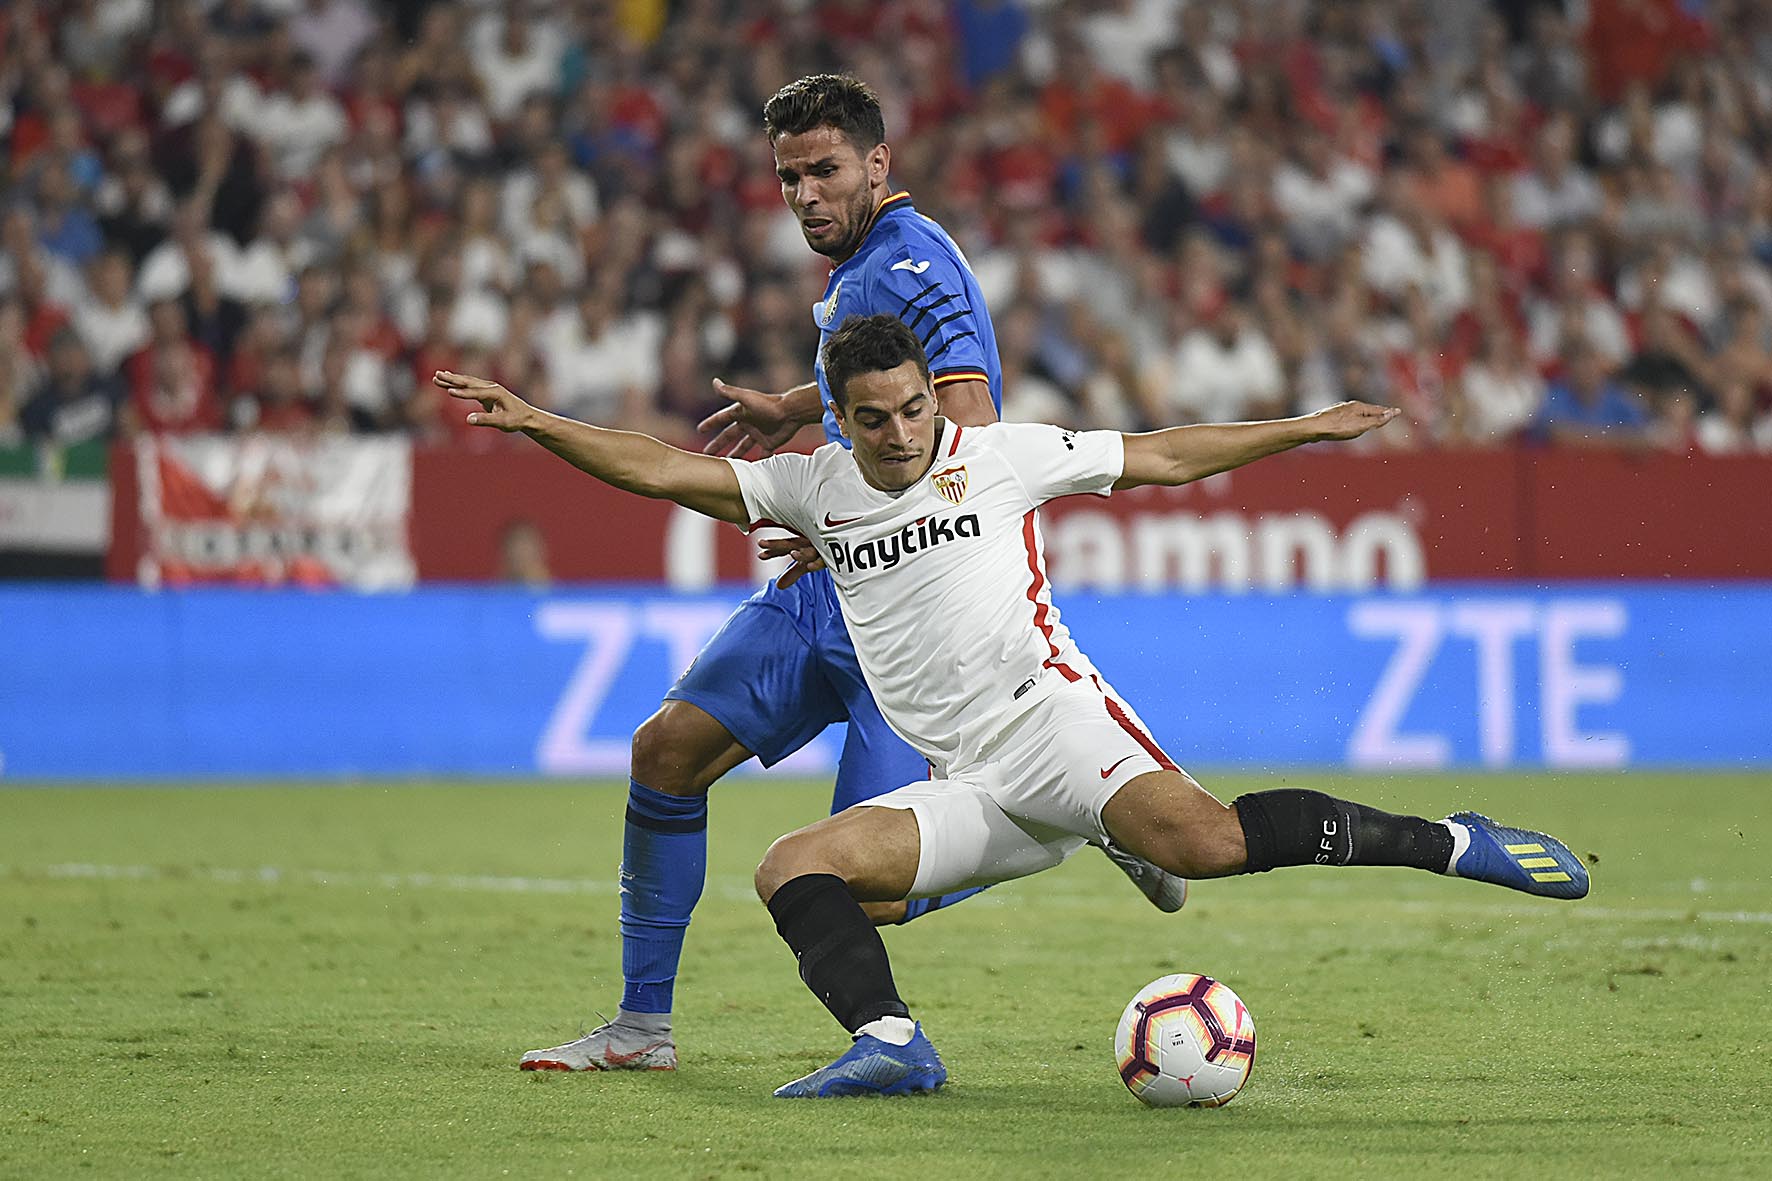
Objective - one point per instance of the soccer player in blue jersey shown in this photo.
(782, 668)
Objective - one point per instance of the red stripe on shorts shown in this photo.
(1119, 714)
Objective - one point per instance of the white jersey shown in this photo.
(943, 585)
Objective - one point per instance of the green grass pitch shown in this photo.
(319, 981)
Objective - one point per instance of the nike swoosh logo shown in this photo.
(915, 268)
(1115, 767)
(832, 523)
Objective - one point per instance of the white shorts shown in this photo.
(1037, 795)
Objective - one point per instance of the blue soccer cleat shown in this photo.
(1517, 858)
(874, 1067)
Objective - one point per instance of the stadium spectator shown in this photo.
(1577, 307)
(1556, 190)
(1223, 370)
(19, 372)
(172, 391)
(1731, 428)
(1500, 393)
(602, 365)
(112, 324)
(275, 400)
(513, 58)
(24, 260)
(330, 33)
(1124, 169)
(523, 556)
(1586, 407)
(166, 271)
(1408, 246)
(133, 202)
(1320, 194)
(1668, 360)
(64, 227)
(300, 120)
(71, 403)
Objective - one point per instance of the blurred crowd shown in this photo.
(1515, 220)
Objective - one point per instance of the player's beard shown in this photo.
(856, 214)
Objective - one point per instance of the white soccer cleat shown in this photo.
(605, 1048)
(1167, 892)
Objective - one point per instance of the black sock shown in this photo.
(842, 957)
(1292, 826)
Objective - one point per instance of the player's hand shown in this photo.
(499, 407)
(1350, 420)
(805, 554)
(755, 422)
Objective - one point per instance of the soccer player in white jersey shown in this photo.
(931, 533)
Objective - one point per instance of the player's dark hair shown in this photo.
(827, 100)
(869, 344)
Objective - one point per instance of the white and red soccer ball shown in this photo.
(1185, 1041)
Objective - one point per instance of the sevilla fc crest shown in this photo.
(951, 483)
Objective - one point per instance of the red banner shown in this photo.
(1319, 520)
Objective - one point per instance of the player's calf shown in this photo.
(1172, 822)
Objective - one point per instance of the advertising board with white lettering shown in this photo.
(102, 683)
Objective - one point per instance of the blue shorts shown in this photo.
(780, 670)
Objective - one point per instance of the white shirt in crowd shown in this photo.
(591, 376)
(507, 79)
(1032, 398)
(240, 104)
(332, 33)
(265, 271)
(1499, 404)
(61, 280)
(111, 334)
(1323, 211)
(1602, 324)
(949, 574)
(298, 131)
(1209, 381)
(1395, 261)
(165, 273)
(1201, 163)
(1717, 435)
(1539, 203)
(517, 200)
(1120, 37)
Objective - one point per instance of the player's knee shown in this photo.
(885, 914)
(664, 754)
(1192, 835)
(791, 856)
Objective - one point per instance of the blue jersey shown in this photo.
(907, 266)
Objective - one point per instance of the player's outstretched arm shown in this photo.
(632, 462)
(1185, 453)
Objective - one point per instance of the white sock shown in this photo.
(895, 1031)
(646, 1024)
(1461, 840)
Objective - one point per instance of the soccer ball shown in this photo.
(1185, 1041)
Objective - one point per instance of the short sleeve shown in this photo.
(776, 490)
(1051, 462)
(928, 291)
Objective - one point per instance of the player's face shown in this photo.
(830, 186)
(890, 420)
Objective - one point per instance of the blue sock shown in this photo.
(916, 908)
(664, 863)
